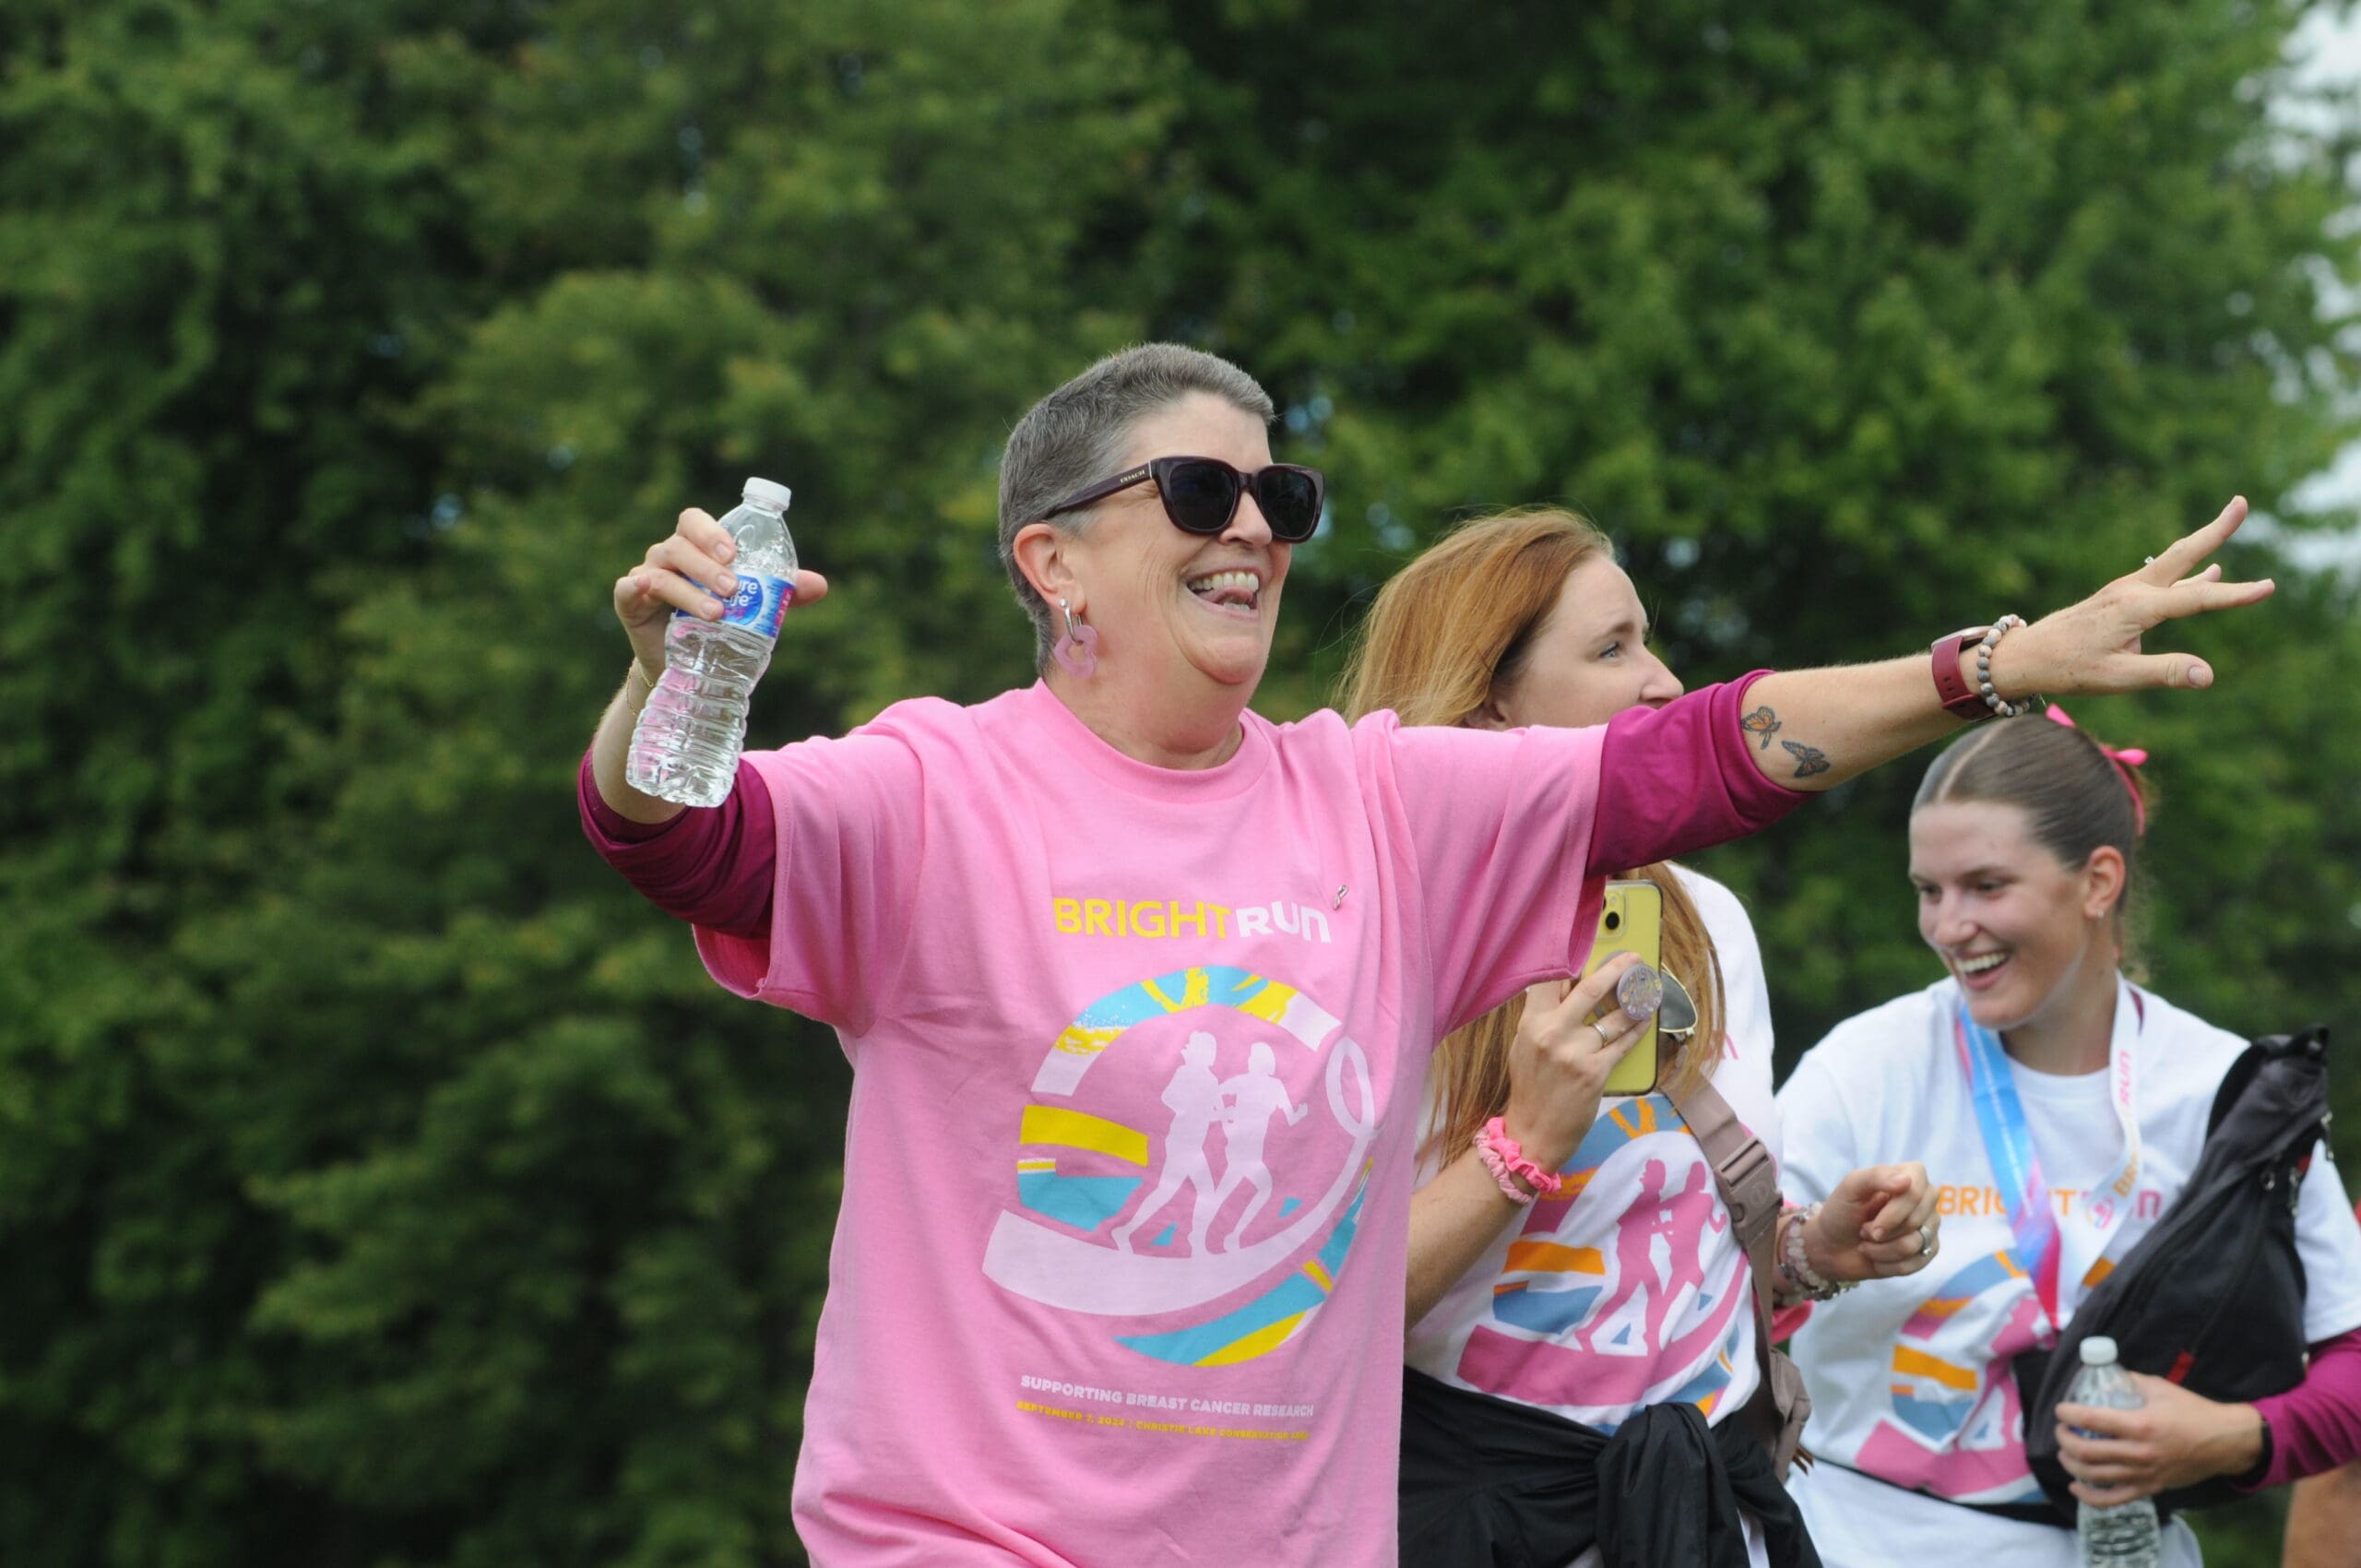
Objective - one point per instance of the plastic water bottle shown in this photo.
(685, 747)
(2124, 1536)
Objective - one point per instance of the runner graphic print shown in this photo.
(1198, 1249)
(1596, 1312)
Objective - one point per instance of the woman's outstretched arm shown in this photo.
(1815, 729)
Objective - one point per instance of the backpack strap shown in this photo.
(1748, 1179)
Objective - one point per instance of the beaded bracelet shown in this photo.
(1992, 635)
(1504, 1158)
(1805, 1280)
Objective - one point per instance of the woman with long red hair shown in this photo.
(1535, 1325)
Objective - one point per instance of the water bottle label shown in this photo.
(759, 604)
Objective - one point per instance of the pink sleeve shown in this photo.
(1678, 778)
(709, 867)
(847, 831)
(2315, 1426)
(1499, 826)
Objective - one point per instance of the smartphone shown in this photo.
(1632, 922)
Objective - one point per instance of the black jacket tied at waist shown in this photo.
(1490, 1483)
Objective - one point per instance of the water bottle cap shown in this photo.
(763, 489)
(2098, 1350)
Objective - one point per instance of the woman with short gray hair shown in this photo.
(1086, 1304)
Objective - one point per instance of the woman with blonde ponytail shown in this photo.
(1539, 1327)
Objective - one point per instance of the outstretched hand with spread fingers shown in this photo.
(2093, 646)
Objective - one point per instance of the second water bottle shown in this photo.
(2126, 1535)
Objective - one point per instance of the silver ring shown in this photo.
(2150, 562)
(1926, 1241)
(1598, 1029)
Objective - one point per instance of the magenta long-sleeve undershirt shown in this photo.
(1672, 779)
(2315, 1426)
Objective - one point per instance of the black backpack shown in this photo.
(2213, 1298)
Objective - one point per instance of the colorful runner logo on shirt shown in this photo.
(1193, 1139)
(1605, 1328)
(1958, 1424)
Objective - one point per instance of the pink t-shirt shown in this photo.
(1118, 1274)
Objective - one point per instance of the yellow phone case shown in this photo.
(1632, 922)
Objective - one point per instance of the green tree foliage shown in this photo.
(380, 1184)
(221, 268)
(383, 1184)
(1851, 328)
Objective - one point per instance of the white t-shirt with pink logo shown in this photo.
(1631, 1289)
(1118, 1273)
(1910, 1377)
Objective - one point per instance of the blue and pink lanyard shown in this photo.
(2038, 1241)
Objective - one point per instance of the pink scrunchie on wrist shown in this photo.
(1504, 1158)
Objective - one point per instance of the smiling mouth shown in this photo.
(1974, 969)
(1236, 590)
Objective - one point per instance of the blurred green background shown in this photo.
(381, 1183)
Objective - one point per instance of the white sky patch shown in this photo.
(2327, 48)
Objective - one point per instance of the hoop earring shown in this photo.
(1077, 651)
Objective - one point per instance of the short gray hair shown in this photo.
(1078, 435)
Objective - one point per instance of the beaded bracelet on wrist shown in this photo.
(1801, 1278)
(2001, 706)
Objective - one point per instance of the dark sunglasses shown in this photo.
(1201, 494)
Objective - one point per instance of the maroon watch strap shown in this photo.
(1952, 688)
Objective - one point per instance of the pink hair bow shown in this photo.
(2125, 758)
